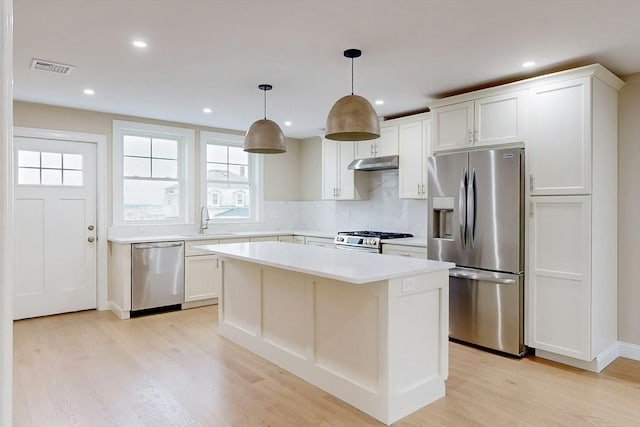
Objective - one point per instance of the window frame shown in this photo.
(255, 163)
(186, 174)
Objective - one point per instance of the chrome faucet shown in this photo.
(204, 219)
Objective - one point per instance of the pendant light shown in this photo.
(352, 117)
(264, 136)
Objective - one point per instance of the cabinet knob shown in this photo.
(91, 239)
(91, 227)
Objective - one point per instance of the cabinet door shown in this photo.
(365, 149)
(499, 119)
(285, 239)
(387, 144)
(559, 278)
(329, 168)
(201, 277)
(412, 159)
(452, 126)
(559, 146)
(346, 176)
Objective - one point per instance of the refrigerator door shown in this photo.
(448, 175)
(495, 205)
(485, 308)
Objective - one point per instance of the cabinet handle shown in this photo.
(475, 135)
(530, 209)
(217, 262)
(470, 132)
(418, 189)
(531, 182)
(337, 192)
(423, 191)
(371, 150)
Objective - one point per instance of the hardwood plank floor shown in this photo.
(172, 369)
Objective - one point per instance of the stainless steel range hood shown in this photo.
(375, 163)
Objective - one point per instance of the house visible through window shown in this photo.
(230, 178)
(149, 171)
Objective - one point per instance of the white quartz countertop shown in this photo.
(214, 236)
(346, 266)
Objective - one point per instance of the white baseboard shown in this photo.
(630, 351)
(122, 314)
(201, 303)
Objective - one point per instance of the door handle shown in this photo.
(471, 210)
(462, 209)
(91, 239)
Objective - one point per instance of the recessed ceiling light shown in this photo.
(379, 102)
(139, 43)
(528, 64)
(206, 110)
(288, 123)
(89, 91)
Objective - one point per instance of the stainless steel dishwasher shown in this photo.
(157, 275)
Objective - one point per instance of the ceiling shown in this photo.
(214, 53)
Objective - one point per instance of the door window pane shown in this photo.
(72, 161)
(52, 160)
(51, 177)
(137, 146)
(72, 178)
(29, 176)
(29, 158)
(164, 148)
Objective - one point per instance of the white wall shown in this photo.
(628, 210)
(6, 240)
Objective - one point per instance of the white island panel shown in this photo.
(381, 346)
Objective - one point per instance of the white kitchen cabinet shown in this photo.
(404, 250)
(486, 121)
(386, 145)
(414, 151)
(319, 241)
(559, 148)
(560, 275)
(202, 277)
(338, 181)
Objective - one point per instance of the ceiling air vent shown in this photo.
(53, 67)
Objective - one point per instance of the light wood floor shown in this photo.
(91, 369)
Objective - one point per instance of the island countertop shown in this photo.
(343, 265)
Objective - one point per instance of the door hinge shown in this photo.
(530, 209)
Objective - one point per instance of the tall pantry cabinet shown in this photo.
(572, 164)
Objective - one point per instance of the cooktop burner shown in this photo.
(378, 234)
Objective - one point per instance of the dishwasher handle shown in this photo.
(156, 245)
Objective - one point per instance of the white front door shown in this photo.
(55, 226)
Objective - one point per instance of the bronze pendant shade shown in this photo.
(265, 136)
(352, 117)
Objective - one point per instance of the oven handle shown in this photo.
(351, 248)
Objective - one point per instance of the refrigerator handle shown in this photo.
(462, 209)
(471, 210)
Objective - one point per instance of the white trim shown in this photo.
(118, 311)
(630, 351)
(256, 176)
(101, 196)
(598, 363)
(6, 212)
(186, 159)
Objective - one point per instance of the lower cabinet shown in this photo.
(404, 250)
(202, 277)
(320, 241)
(571, 281)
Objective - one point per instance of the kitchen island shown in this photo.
(370, 329)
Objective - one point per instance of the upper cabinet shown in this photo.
(338, 181)
(414, 151)
(559, 146)
(491, 120)
(386, 145)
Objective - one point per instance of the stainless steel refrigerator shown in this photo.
(476, 219)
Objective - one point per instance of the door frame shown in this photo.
(101, 195)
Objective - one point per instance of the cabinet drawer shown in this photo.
(189, 249)
(401, 250)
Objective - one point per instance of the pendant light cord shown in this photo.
(351, 76)
(265, 105)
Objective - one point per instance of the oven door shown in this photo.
(356, 248)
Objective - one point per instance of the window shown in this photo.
(150, 173)
(233, 192)
(43, 168)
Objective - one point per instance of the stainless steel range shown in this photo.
(365, 241)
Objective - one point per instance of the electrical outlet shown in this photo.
(408, 285)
